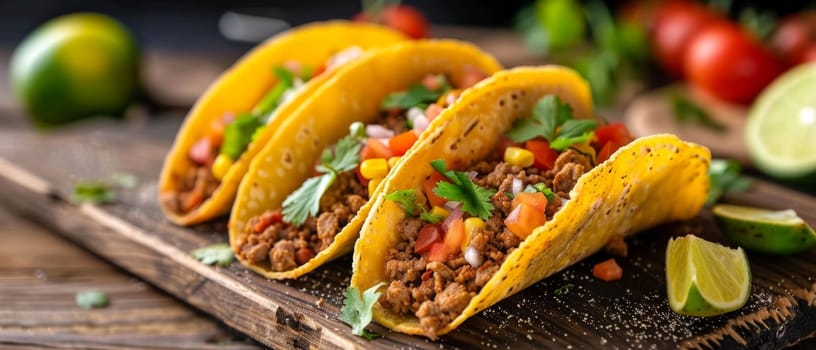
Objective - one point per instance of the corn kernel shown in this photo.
(372, 185)
(393, 161)
(221, 165)
(374, 168)
(439, 211)
(518, 156)
(471, 225)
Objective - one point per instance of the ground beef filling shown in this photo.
(197, 185)
(268, 240)
(437, 292)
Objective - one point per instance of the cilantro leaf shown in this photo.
(219, 254)
(475, 199)
(91, 299)
(576, 127)
(548, 113)
(345, 156)
(440, 167)
(426, 216)
(525, 129)
(305, 201)
(417, 95)
(356, 311)
(406, 199)
(92, 192)
(724, 176)
(561, 143)
(541, 187)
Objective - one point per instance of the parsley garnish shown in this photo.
(687, 112)
(553, 120)
(219, 254)
(724, 176)
(406, 199)
(91, 299)
(305, 201)
(428, 217)
(475, 199)
(541, 187)
(356, 311)
(417, 95)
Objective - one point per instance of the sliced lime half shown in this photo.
(767, 231)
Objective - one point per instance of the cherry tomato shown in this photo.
(535, 199)
(438, 252)
(428, 235)
(428, 187)
(728, 63)
(543, 156)
(401, 143)
(791, 39)
(607, 271)
(676, 23)
(455, 235)
(404, 18)
(613, 132)
(524, 219)
(810, 54)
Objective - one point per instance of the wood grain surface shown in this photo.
(37, 171)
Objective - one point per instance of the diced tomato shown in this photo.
(432, 111)
(471, 76)
(524, 219)
(543, 156)
(455, 235)
(607, 150)
(438, 252)
(267, 219)
(401, 143)
(304, 254)
(607, 271)
(428, 187)
(612, 132)
(374, 149)
(535, 199)
(503, 143)
(363, 181)
(319, 70)
(202, 152)
(216, 131)
(428, 235)
(432, 81)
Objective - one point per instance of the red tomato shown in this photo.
(607, 271)
(401, 143)
(428, 235)
(403, 18)
(535, 199)
(613, 132)
(728, 63)
(374, 149)
(202, 152)
(432, 81)
(607, 150)
(428, 187)
(543, 156)
(524, 219)
(455, 235)
(267, 219)
(675, 24)
(438, 252)
(432, 111)
(363, 181)
(810, 54)
(791, 39)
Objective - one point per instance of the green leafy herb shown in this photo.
(92, 299)
(306, 73)
(92, 192)
(417, 95)
(724, 176)
(564, 289)
(553, 120)
(219, 254)
(475, 199)
(272, 99)
(305, 201)
(284, 75)
(541, 187)
(238, 134)
(760, 23)
(563, 142)
(356, 311)
(406, 199)
(686, 111)
(426, 216)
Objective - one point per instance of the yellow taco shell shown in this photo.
(650, 181)
(243, 85)
(353, 94)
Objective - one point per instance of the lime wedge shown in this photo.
(705, 278)
(781, 128)
(767, 231)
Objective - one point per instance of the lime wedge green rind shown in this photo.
(781, 129)
(765, 231)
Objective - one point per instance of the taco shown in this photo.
(241, 110)
(514, 182)
(307, 193)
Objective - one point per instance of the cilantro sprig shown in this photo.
(724, 176)
(553, 120)
(305, 201)
(475, 199)
(217, 254)
(417, 95)
(407, 200)
(356, 311)
(541, 187)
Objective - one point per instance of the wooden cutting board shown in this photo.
(569, 309)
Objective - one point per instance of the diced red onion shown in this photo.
(472, 257)
(421, 123)
(564, 202)
(452, 205)
(201, 152)
(518, 186)
(378, 131)
(472, 174)
(413, 113)
(453, 216)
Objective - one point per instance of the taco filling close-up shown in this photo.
(347, 175)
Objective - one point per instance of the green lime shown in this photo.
(75, 66)
(705, 278)
(767, 231)
(781, 128)
(563, 20)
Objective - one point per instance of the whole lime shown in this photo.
(75, 66)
